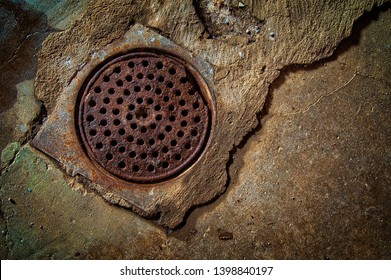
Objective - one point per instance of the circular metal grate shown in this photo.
(143, 117)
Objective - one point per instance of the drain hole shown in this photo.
(153, 126)
(128, 78)
(121, 131)
(196, 105)
(178, 92)
(182, 102)
(107, 133)
(155, 154)
(140, 142)
(143, 129)
(122, 150)
(103, 123)
(130, 138)
(120, 101)
(133, 126)
(102, 111)
(157, 108)
(143, 156)
(165, 164)
(183, 123)
(158, 91)
(184, 113)
(90, 118)
(150, 76)
(144, 63)
(92, 103)
(99, 145)
(151, 142)
(171, 108)
(197, 119)
(170, 85)
(136, 168)
(173, 143)
(184, 80)
(131, 64)
(116, 111)
(109, 156)
(126, 92)
(113, 143)
(140, 76)
(165, 150)
(122, 165)
(106, 100)
(151, 168)
(172, 118)
(98, 89)
(161, 79)
(106, 79)
(111, 91)
(131, 107)
(132, 154)
(149, 101)
(117, 70)
(139, 100)
(158, 117)
(177, 156)
(148, 87)
(172, 71)
(187, 146)
(180, 133)
(92, 132)
(166, 98)
(159, 65)
(120, 83)
(129, 116)
(194, 132)
(168, 128)
(137, 89)
(161, 136)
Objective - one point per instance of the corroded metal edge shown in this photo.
(58, 137)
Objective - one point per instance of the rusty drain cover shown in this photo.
(143, 117)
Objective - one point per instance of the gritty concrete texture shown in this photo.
(243, 70)
(23, 27)
(311, 181)
(9, 153)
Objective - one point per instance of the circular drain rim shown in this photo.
(200, 87)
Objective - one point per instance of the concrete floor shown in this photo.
(312, 181)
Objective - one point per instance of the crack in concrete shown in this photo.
(320, 98)
(14, 54)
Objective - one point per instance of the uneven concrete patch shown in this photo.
(47, 218)
(23, 27)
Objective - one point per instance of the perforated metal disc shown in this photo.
(143, 117)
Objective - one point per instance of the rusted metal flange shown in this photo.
(137, 121)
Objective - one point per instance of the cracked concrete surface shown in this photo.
(311, 181)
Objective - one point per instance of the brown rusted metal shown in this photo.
(142, 117)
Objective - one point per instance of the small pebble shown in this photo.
(225, 235)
